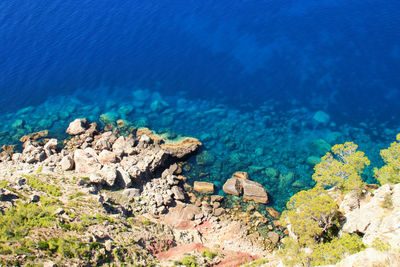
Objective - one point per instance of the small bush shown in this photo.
(189, 261)
(381, 245)
(209, 254)
(38, 184)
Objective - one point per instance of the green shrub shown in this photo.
(17, 221)
(381, 245)
(38, 184)
(209, 254)
(390, 173)
(387, 202)
(189, 261)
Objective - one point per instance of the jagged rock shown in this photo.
(123, 145)
(96, 178)
(78, 126)
(181, 148)
(109, 172)
(203, 187)
(106, 157)
(251, 190)
(219, 211)
(34, 136)
(51, 147)
(377, 217)
(178, 193)
(104, 141)
(124, 177)
(85, 161)
(67, 163)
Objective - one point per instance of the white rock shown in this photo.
(78, 126)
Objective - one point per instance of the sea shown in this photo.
(267, 86)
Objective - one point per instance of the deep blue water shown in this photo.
(272, 63)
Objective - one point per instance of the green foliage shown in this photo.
(208, 253)
(390, 173)
(189, 261)
(17, 221)
(310, 214)
(3, 183)
(68, 247)
(38, 184)
(336, 250)
(342, 168)
(381, 245)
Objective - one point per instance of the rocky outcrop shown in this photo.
(181, 148)
(377, 217)
(78, 126)
(239, 184)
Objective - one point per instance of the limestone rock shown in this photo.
(274, 237)
(371, 257)
(34, 136)
(181, 148)
(178, 193)
(272, 212)
(233, 186)
(85, 161)
(67, 163)
(131, 193)
(109, 173)
(251, 190)
(106, 157)
(78, 126)
(124, 176)
(203, 187)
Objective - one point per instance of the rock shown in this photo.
(124, 176)
(203, 187)
(59, 211)
(205, 158)
(85, 161)
(178, 193)
(51, 144)
(233, 186)
(313, 160)
(351, 201)
(96, 178)
(108, 245)
(250, 208)
(123, 145)
(35, 198)
(254, 191)
(131, 193)
(251, 190)
(319, 146)
(272, 212)
(274, 237)
(181, 148)
(106, 157)
(219, 211)
(371, 257)
(321, 117)
(109, 173)
(34, 136)
(217, 198)
(67, 163)
(104, 141)
(76, 127)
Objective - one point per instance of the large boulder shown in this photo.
(86, 161)
(78, 126)
(239, 183)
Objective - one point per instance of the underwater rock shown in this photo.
(76, 127)
(205, 158)
(319, 146)
(321, 117)
(180, 149)
(251, 190)
(203, 187)
(18, 124)
(34, 136)
(313, 160)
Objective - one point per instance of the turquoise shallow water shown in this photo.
(270, 144)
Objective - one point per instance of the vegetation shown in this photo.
(38, 184)
(209, 254)
(341, 168)
(390, 173)
(310, 214)
(189, 261)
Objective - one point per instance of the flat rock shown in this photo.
(251, 190)
(106, 157)
(233, 186)
(181, 148)
(67, 163)
(203, 187)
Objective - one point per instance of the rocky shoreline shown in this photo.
(132, 175)
(119, 196)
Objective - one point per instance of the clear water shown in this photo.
(245, 77)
